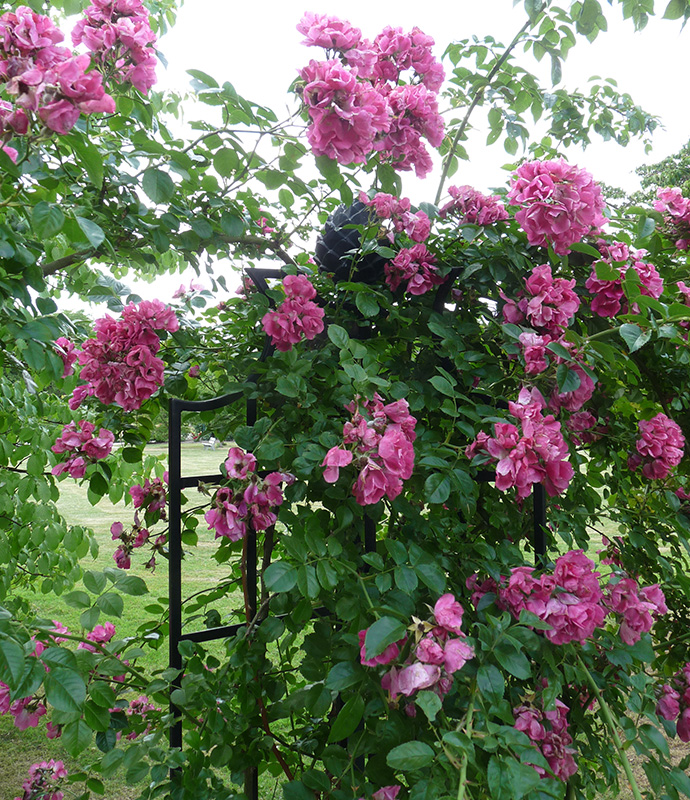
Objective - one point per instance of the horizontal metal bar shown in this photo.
(194, 480)
(206, 405)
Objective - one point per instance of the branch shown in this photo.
(51, 267)
(476, 100)
(259, 241)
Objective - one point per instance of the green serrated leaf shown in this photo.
(410, 756)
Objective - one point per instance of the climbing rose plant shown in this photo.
(404, 385)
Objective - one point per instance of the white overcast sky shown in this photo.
(256, 47)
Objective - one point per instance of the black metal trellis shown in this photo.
(176, 484)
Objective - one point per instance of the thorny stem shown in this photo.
(611, 725)
(475, 102)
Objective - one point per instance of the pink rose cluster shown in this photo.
(571, 600)
(416, 225)
(133, 538)
(659, 448)
(82, 447)
(676, 210)
(118, 35)
(120, 365)
(548, 305)
(471, 207)
(355, 103)
(534, 453)
(439, 651)
(636, 607)
(559, 204)
(101, 634)
(297, 317)
(44, 781)
(674, 702)
(151, 495)
(417, 267)
(548, 731)
(26, 712)
(608, 295)
(249, 502)
(48, 82)
(378, 441)
(138, 716)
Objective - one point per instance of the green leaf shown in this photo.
(645, 227)
(366, 304)
(93, 232)
(132, 585)
(77, 599)
(511, 659)
(96, 717)
(296, 790)
(203, 78)
(102, 694)
(430, 703)
(509, 779)
(280, 577)
(65, 689)
(89, 156)
(437, 488)
(11, 662)
(432, 576)
(676, 9)
(567, 379)
(680, 780)
(76, 737)
(111, 604)
(383, 632)
(47, 219)
(338, 336)
(556, 70)
(231, 226)
(95, 582)
(225, 162)
(349, 717)
(442, 385)
(410, 756)
(633, 336)
(490, 683)
(606, 272)
(158, 185)
(343, 675)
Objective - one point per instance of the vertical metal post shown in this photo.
(539, 513)
(175, 555)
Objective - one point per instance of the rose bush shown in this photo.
(410, 638)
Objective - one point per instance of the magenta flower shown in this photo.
(297, 317)
(331, 33)
(82, 447)
(559, 204)
(417, 267)
(239, 464)
(448, 613)
(659, 448)
(471, 207)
